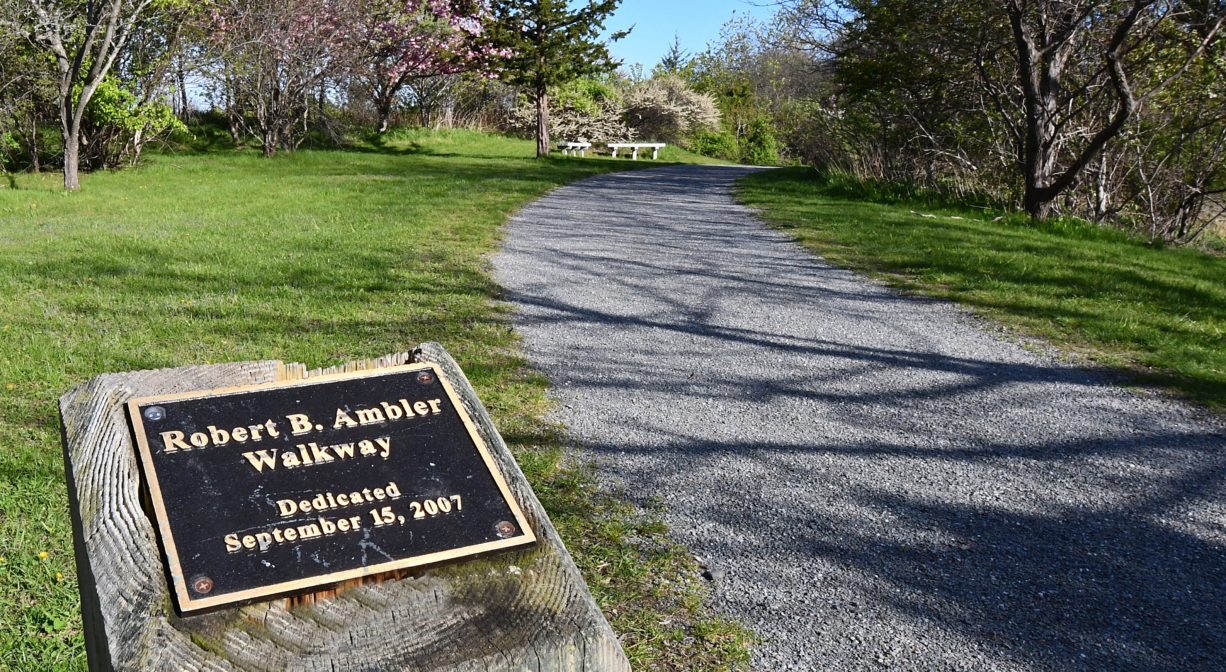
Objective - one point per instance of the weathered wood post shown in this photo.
(521, 609)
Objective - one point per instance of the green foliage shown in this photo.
(205, 131)
(115, 106)
(760, 147)
(119, 125)
(721, 144)
(587, 108)
(1157, 314)
(8, 143)
(846, 185)
(548, 43)
(28, 94)
(729, 71)
(585, 94)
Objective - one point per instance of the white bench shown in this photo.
(574, 148)
(636, 146)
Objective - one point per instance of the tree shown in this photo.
(28, 93)
(674, 60)
(85, 38)
(1056, 79)
(549, 44)
(763, 91)
(120, 124)
(1069, 56)
(405, 40)
(907, 93)
(276, 55)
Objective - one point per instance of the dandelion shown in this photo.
(42, 555)
(59, 577)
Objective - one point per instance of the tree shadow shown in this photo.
(874, 466)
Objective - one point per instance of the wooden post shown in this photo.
(517, 610)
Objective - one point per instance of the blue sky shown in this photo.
(695, 22)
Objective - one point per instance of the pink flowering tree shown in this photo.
(273, 59)
(401, 41)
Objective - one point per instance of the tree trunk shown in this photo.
(34, 142)
(449, 102)
(542, 122)
(1102, 191)
(1039, 156)
(72, 160)
(384, 106)
(183, 103)
(268, 141)
(1042, 52)
(137, 145)
(230, 89)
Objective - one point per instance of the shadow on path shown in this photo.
(881, 482)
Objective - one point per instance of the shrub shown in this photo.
(719, 144)
(667, 109)
(118, 126)
(759, 147)
(585, 108)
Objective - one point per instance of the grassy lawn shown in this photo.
(318, 257)
(1158, 314)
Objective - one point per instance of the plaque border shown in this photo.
(186, 603)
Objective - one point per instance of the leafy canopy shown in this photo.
(549, 43)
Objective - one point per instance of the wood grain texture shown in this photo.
(518, 610)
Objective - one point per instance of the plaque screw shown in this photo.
(202, 585)
(505, 529)
(154, 413)
(425, 377)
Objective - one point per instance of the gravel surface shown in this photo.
(874, 480)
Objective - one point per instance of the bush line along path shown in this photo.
(872, 479)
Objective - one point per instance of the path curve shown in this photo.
(876, 480)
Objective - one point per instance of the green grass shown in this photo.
(318, 257)
(1157, 314)
(678, 154)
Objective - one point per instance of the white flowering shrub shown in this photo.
(666, 109)
(585, 109)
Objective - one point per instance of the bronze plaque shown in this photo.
(281, 487)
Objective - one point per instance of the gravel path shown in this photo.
(875, 480)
